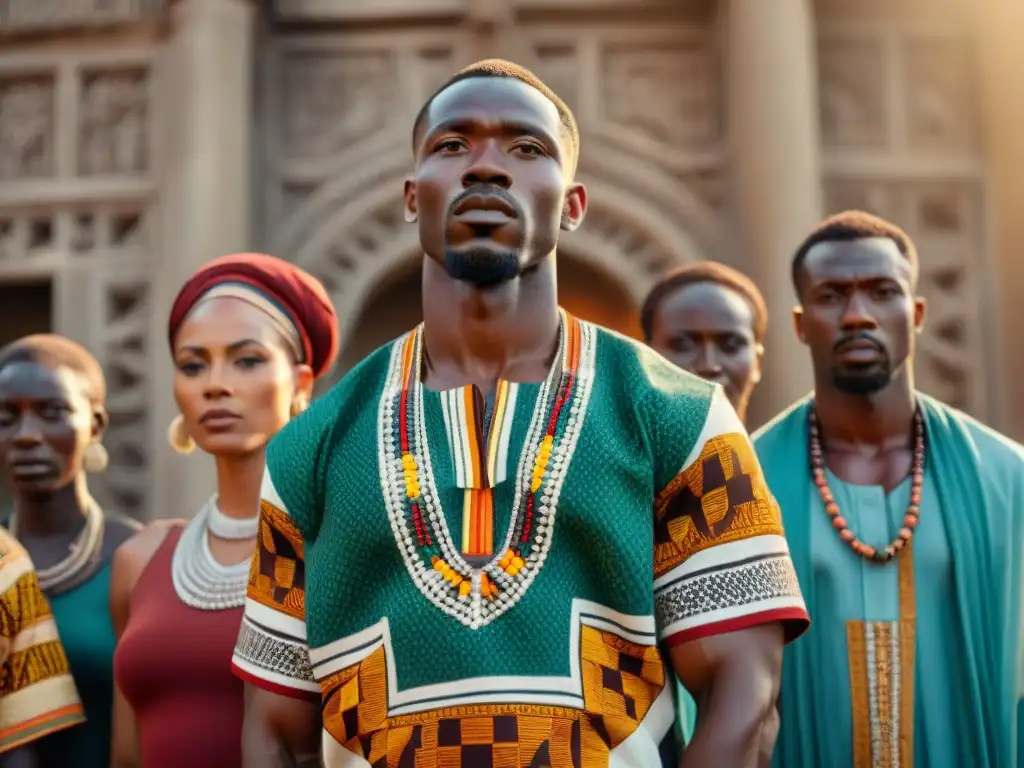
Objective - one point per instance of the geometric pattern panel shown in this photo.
(621, 680)
(721, 497)
(277, 575)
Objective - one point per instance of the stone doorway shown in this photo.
(25, 308)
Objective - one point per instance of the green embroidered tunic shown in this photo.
(490, 581)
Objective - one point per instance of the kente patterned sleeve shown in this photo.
(37, 694)
(721, 562)
(272, 650)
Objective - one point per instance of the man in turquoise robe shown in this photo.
(916, 651)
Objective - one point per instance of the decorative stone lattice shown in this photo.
(27, 128)
(74, 163)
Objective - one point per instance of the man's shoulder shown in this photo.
(343, 404)
(644, 372)
(781, 426)
(994, 448)
(366, 377)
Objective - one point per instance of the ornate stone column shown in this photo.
(205, 95)
(1000, 24)
(772, 98)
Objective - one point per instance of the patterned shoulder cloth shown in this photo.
(721, 562)
(272, 651)
(37, 694)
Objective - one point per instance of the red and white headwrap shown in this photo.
(295, 301)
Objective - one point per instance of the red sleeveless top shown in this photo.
(173, 665)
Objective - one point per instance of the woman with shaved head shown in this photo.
(52, 422)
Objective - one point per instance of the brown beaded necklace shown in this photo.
(832, 509)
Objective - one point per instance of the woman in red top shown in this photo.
(249, 334)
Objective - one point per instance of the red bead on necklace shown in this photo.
(910, 520)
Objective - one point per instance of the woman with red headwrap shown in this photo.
(249, 335)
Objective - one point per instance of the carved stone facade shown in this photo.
(337, 117)
(91, 188)
(900, 137)
(75, 204)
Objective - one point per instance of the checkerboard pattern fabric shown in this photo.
(620, 682)
(720, 497)
(276, 576)
(620, 679)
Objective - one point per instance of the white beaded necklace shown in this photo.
(82, 554)
(231, 528)
(476, 611)
(200, 581)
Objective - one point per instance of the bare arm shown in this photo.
(734, 678)
(280, 731)
(129, 562)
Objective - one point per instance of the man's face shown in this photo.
(491, 189)
(708, 330)
(859, 314)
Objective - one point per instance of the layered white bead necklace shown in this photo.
(83, 554)
(200, 581)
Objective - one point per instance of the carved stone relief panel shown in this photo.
(314, 11)
(558, 67)
(334, 99)
(114, 115)
(125, 359)
(63, 233)
(26, 236)
(634, 94)
(33, 15)
(434, 65)
(852, 85)
(709, 184)
(623, 241)
(115, 231)
(893, 10)
(292, 197)
(943, 220)
(27, 111)
(76, 206)
(876, 198)
(938, 88)
(363, 244)
(327, 97)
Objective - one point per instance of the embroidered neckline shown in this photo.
(480, 457)
(475, 596)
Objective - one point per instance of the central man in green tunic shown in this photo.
(492, 543)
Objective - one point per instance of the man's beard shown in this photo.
(862, 383)
(482, 267)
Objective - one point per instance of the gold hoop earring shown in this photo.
(96, 458)
(178, 436)
(299, 405)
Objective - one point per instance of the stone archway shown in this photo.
(351, 233)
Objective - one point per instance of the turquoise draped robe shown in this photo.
(979, 480)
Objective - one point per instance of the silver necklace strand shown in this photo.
(231, 528)
(200, 581)
(82, 553)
